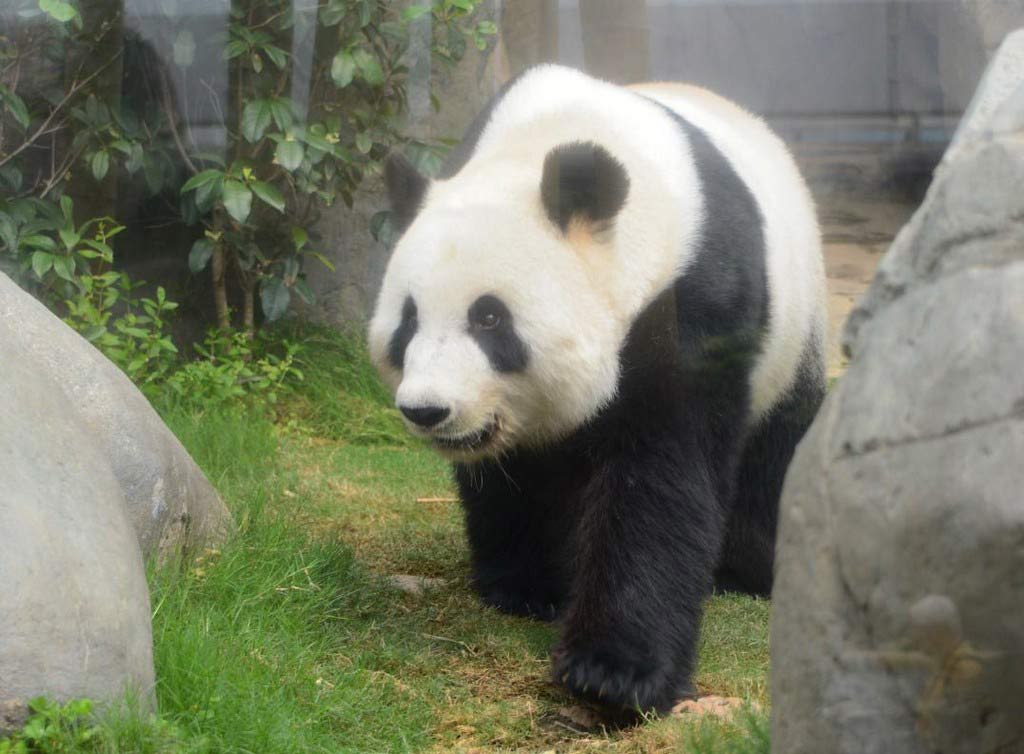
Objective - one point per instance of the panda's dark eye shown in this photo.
(484, 320)
(486, 313)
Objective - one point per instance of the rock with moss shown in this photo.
(898, 617)
(170, 503)
(74, 606)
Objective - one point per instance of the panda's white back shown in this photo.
(657, 234)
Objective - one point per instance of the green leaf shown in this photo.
(12, 176)
(208, 193)
(343, 69)
(277, 56)
(363, 142)
(201, 179)
(200, 255)
(281, 112)
(8, 233)
(69, 237)
(275, 298)
(414, 11)
(58, 10)
(17, 107)
(369, 67)
(94, 332)
(255, 119)
(269, 194)
(41, 263)
(234, 49)
(487, 27)
(64, 267)
(299, 237)
(382, 227)
(317, 142)
(321, 258)
(66, 207)
(365, 13)
(288, 154)
(39, 242)
(100, 164)
(237, 199)
(333, 12)
(100, 249)
(305, 292)
(134, 161)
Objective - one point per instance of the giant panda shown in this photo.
(608, 313)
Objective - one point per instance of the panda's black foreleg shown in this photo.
(647, 545)
(516, 542)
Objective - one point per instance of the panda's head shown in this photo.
(493, 325)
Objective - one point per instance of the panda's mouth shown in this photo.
(468, 442)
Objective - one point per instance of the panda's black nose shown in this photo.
(425, 416)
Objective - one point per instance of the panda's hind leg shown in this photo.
(748, 554)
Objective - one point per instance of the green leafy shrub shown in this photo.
(53, 727)
(75, 727)
(283, 163)
(69, 267)
(255, 210)
(340, 396)
(232, 368)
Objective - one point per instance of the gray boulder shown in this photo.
(898, 618)
(74, 606)
(170, 503)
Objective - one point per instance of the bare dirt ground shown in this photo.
(856, 233)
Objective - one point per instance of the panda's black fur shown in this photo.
(622, 529)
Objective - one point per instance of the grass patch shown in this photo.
(340, 396)
(290, 638)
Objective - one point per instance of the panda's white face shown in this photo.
(490, 329)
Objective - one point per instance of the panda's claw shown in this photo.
(615, 680)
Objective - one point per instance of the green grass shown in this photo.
(340, 397)
(289, 638)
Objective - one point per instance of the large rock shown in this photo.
(898, 623)
(74, 607)
(170, 504)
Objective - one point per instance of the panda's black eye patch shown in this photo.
(491, 326)
(486, 313)
(403, 334)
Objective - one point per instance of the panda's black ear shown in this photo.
(406, 188)
(582, 180)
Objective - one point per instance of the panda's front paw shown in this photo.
(615, 678)
(525, 604)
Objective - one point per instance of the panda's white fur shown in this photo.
(575, 295)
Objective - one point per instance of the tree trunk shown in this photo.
(529, 30)
(616, 40)
(249, 305)
(220, 290)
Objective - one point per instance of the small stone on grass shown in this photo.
(411, 584)
(715, 706)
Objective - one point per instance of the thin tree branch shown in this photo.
(172, 121)
(75, 89)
